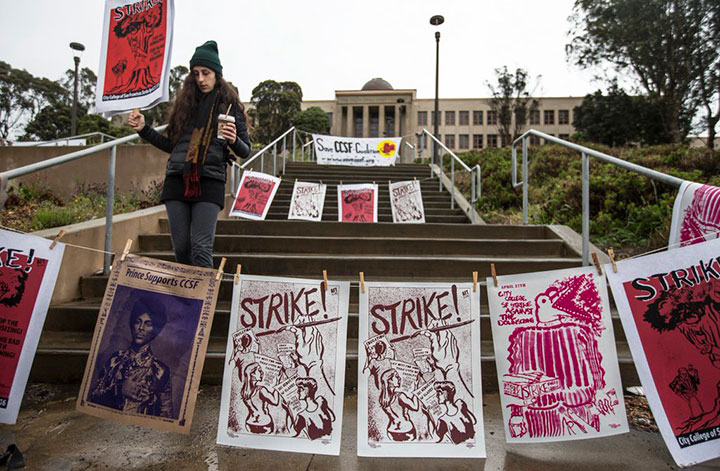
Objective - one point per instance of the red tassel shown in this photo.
(192, 182)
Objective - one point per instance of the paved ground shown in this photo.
(54, 436)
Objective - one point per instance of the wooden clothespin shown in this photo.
(57, 238)
(321, 182)
(126, 251)
(494, 274)
(611, 254)
(220, 268)
(596, 261)
(374, 182)
(362, 282)
(340, 182)
(296, 180)
(325, 282)
(238, 269)
(414, 178)
(475, 275)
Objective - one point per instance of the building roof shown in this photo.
(377, 84)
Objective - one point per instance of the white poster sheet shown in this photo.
(556, 357)
(669, 305)
(406, 202)
(696, 215)
(284, 380)
(28, 271)
(358, 202)
(254, 195)
(356, 151)
(308, 201)
(419, 384)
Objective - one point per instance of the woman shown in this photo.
(194, 187)
(316, 417)
(400, 425)
(457, 421)
(257, 399)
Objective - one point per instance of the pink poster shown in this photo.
(254, 195)
(669, 304)
(357, 203)
(696, 215)
(556, 358)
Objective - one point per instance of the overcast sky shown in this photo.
(327, 45)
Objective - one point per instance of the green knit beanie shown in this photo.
(207, 55)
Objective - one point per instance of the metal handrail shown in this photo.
(79, 136)
(237, 168)
(586, 153)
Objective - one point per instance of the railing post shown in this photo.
(585, 209)
(285, 152)
(294, 143)
(275, 160)
(525, 181)
(452, 182)
(109, 209)
(472, 196)
(440, 174)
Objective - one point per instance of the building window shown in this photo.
(374, 115)
(464, 118)
(450, 141)
(477, 141)
(563, 116)
(534, 116)
(464, 141)
(549, 116)
(477, 118)
(449, 118)
(491, 119)
(492, 139)
(534, 141)
(422, 118)
(358, 121)
(433, 118)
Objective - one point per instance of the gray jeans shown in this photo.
(192, 230)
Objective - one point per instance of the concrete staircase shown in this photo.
(447, 248)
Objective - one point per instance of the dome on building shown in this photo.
(377, 84)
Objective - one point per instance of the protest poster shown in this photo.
(356, 151)
(28, 271)
(148, 350)
(669, 305)
(134, 67)
(308, 200)
(419, 385)
(406, 202)
(696, 215)
(284, 379)
(556, 358)
(254, 195)
(357, 202)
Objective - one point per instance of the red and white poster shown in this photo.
(556, 358)
(669, 304)
(308, 201)
(135, 55)
(419, 384)
(406, 202)
(284, 379)
(28, 271)
(254, 195)
(696, 215)
(358, 202)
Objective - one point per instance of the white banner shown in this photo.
(555, 354)
(357, 151)
(134, 67)
(358, 202)
(254, 195)
(696, 215)
(308, 200)
(419, 384)
(669, 304)
(28, 271)
(406, 202)
(284, 382)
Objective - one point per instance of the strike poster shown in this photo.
(356, 151)
(284, 379)
(419, 384)
(406, 202)
(669, 304)
(147, 354)
(135, 55)
(254, 195)
(696, 215)
(28, 271)
(308, 200)
(556, 358)
(357, 203)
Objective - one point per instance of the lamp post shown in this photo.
(77, 52)
(436, 20)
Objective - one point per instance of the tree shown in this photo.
(87, 81)
(659, 42)
(708, 86)
(275, 106)
(159, 114)
(512, 102)
(313, 120)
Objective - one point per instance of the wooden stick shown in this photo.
(494, 274)
(238, 269)
(299, 326)
(597, 263)
(433, 329)
(57, 238)
(325, 282)
(475, 275)
(611, 254)
(128, 244)
(362, 282)
(220, 268)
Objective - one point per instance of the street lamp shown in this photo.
(77, 52)
(436, 20)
